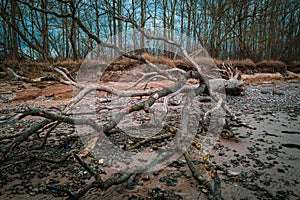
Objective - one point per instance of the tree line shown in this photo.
(50, 30)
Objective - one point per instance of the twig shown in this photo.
(154, 138)
(217, 186)
(198, 176)
(67, 72)
(159, 71)
(35, 80)
(21, 138)
(25, 79)
(48, 133)
(109, 125)
(89, 169)
(121, 93)
(70, 80)
(81, 192)
(63, 118)
(205, 117)
(10, 136)
(153, 78)
(153, 75)
(98, 183)
(172, 132)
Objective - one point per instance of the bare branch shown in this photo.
(153, 75)
(70, 81)
(197, 175)
(158, 137)
(21, 138)
(154, 78)
(121, 93)
(219, 104)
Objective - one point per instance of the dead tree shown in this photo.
(231, 79)
(148, 97)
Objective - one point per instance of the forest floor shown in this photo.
(261, 164)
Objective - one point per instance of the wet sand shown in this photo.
(260, 164)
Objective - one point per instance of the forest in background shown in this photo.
(148, 122)
(52, 30)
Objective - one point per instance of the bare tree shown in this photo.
(178, 87)
(230, 29)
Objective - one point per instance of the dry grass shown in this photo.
(262, 77)
(71, 65)
(245, 66)
(125, 61)
(30, 69)
(294, 66)
(159, 60)
(35, 69)
(292, 76)
(244, 62)
(183, 64)
(202, 61)
(271, 66)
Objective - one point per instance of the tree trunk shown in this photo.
(73, 31)
(14, 40)
(45, 30)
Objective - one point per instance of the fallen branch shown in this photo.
(21, 138)
(214, 192)
(217, 186)
(198, 176)
(217, 107)
(154, 138)
(98, 183)
(180, 86)
(39, 79)
(9, 136)
(48, 133)
(144, 105)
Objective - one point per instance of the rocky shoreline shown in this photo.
(258, 164)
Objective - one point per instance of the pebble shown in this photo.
(235, 162)
(233, 173)
(182, 161)
(221, 153)
(155, 173)
(280, 170)
(130, 187)
(140, 183)
(278, 92)
(270, 158)
(254, 106)
(265, 91)
(227, 165)
(3, 117)
(101, 161)
(146, 177)
(162, 179)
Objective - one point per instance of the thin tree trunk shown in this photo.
(73, 31)
(45, 30)
(120, 35)
(14, 40)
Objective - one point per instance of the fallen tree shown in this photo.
(179, 93)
